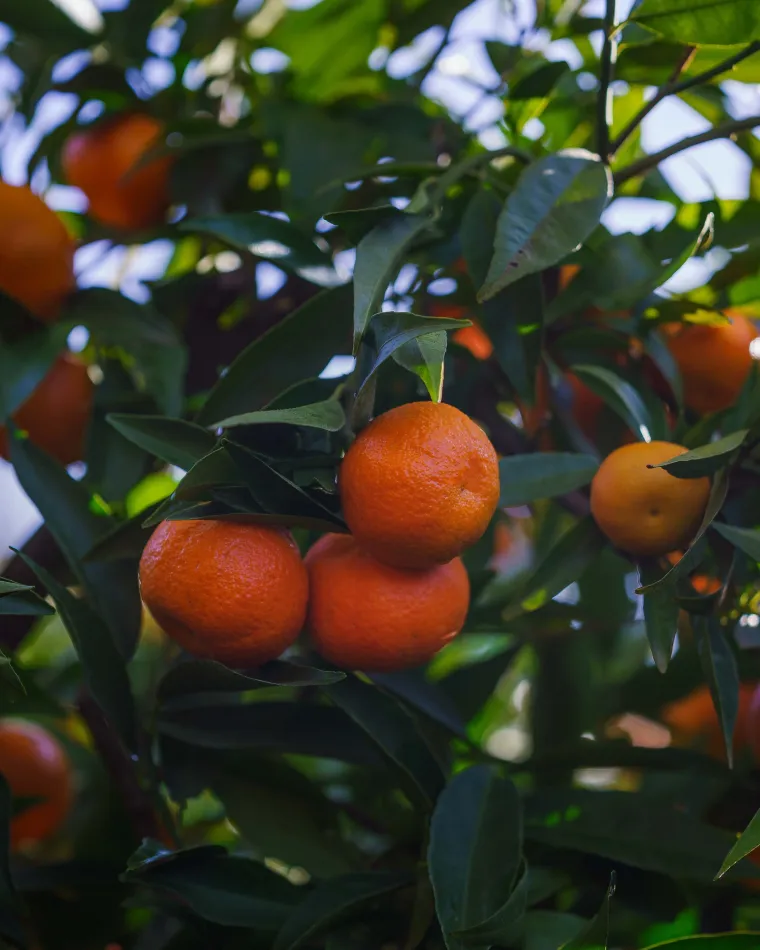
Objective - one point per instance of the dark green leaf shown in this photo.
(261, 372)
(327, 415)
(661, 611)
(25, 603)
(701, 22)
(174, 441)
(208, 676)
(619, 395)
(104, 671)
(596, 935)
(707, 459)
(424, 357)
(24, 364)
(549, 929)
(271, 238)
(335, 901)
(748, 841)
(44, 21)
(556, 204)
(11, 927)
(394, 731)
(539, 82)
(721, 673)
(11, 587)
(415, 689)
(379, 256)
(745, 940)
(746, 539)
(503, 926)
(475, 850)
(527, 478)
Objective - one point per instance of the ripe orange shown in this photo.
(473, 338)
(57, 413)
(37, 255)
(35, 766)
(227, 591)
(644, 510)
(369, 616)
(693, 720)
(419, 484)
(102, 160)
(714, 362)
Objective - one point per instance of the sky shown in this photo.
(716, 168)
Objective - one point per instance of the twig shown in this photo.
(674, 88)
(665, 90)
(724, 131)
(604, 100)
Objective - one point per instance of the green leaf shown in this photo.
(379, 256)
(174, 441)
(416, 690)
(69, 513)
(270, 238)
(661, 611)
(104, 671)
(24, 364)
(722, 675)
(327, 415)
(556, 204)
(208, 676)
(424, 357)
(619, 395)
(11, 587)
(44, 21)
(747, 842)
(24, 603)
(11, 927)
(475, 850)
(527, 478)
(746, 539)
(596, 935)
(395, 732)
(233, 891)
(707, 459)
(504, 925)
(701, 22)
(563, 565)
(278, 359)
(336, 901)
(744, 940)
(630, 829)
(548, 929)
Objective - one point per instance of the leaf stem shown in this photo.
(723, 131)
(673, 88)
(606, 68)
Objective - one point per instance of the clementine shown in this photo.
(366, 615)
(228, 591)
(473, 338)
(714, 362)
(37, 257)
(104, 160)
(57, 413)
(646, 511)
(419, 484)
(35, 766)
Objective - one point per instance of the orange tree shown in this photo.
(534, 584)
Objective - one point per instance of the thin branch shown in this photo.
(665, 90)
(674, 88)
(724, 131)
(604, 99)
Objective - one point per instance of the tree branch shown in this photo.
(604, 100)
(674, 88)
(724, 131)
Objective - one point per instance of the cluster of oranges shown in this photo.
(127, 189)
(418, 486)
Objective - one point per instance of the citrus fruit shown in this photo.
(57, 413)
(35, 766)
(714, 362)
(693, 721)
(473, 338)
(104, 160)
(419, 484)
(37, 257)
(647, 511)
(227, 591)
(366, 615)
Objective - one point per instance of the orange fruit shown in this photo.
(647, 511)
(57, 413)
(228, 591)
(473, 338)
(419, 484)
(37, 256)
(714, 362)
(103, 160)
(369, 616)
(693, 721)
(35, 766)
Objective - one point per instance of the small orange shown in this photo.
(714, 362)
(647, 511)
(35, 766)
(37, 255)
(103, 160)
(228, 591)
(419, 484)
(369, 616)
(57, 413)
(473, 338)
